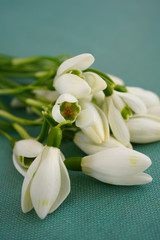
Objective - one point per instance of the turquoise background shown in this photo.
(124, 37)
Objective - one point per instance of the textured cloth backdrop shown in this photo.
(124, 37)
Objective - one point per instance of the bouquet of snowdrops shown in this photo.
(91, 108)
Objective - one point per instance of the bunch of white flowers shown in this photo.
(95, 110)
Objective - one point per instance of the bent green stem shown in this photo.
(22, 121)
(6, 135)
(22, 132)
(44, 131)
(21, 89)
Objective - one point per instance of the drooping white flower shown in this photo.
(144, 129)
(46, 184)
(119, 166)
(71, 79)
(93, 122)
(116, 122)
(90, 147)
(148, 97)
(65, 108)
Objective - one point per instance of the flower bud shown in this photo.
(119, 166)
(143, 129)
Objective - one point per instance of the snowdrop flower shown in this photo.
(46, 184)
(116, 122)
(149, 98)
(71, 79)
(90, 147)
(93, 122)
(119, 166)
(144, 129)
(65, 108)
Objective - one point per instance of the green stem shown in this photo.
(49, 119)
(8, 82)
(20, 90)
(44, 131)
(73, 163)
(22, 132)
(54, 137)
(34, 103)
(6, 135)
(17, 75)
(22, 121)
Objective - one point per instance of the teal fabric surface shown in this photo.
(124, 37)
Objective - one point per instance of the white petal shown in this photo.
(116, 162)
(57, 114)
(118, 102)
(99, 98)
(84, 119)
(148, 97)
(66, 97)
(95, 82)
(135, 103)
(18, 166)
(116, 80)
(105, 124)
(148, 116)
(93, 122)
(26, 203)
(70, 83)
(46, 182)
(90, 147)
(27, 148)
(65, 187)
(155, 110)
(118, 125)
(81, 62)
(143, 130)
(137, 179)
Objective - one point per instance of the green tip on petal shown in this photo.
(69, 110)
(126, 112)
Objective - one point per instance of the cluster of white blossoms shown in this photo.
(107, 118)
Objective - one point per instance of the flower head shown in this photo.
(46, 183)
(119, 166)
(66, 108)
(71, 79)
